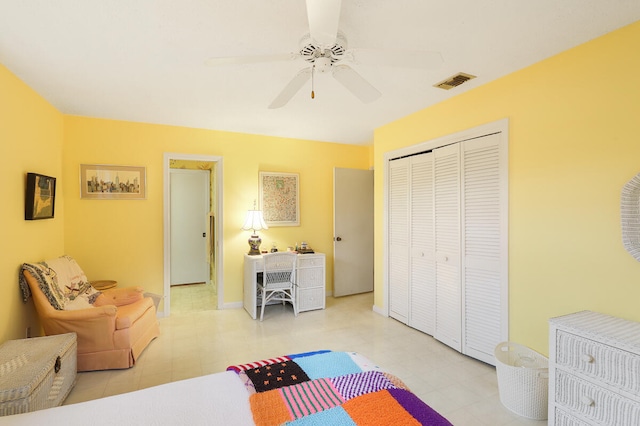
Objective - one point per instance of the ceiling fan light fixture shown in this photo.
(323, 64)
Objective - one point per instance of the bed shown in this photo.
(312, 388)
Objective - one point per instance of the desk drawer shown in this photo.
(605, 363)
(311, 277)
(310, 261)
(309, 299)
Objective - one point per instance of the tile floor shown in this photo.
(197, 339)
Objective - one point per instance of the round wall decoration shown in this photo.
(630, 216)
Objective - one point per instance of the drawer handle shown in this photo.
(57, 365)
(587, 358)
(589, 402)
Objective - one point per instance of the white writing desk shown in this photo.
(310, 278)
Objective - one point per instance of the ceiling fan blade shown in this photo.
(354, 82)
(397, 58)
(323, 16)
(291, 89)
(240, 60)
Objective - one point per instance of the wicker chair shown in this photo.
(278, 280)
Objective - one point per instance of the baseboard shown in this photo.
(233, 305)
(379, 311)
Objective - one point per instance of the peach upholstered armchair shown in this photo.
(113, 327)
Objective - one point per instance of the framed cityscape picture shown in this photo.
(107, 182)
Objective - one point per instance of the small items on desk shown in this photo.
(304, 248)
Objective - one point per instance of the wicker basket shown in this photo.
(523, 380)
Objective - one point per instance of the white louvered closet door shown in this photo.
(447, 245)
(422, 282)
(399, 239)
(448, 242)
(484, 236)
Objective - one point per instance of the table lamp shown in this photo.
(255, 222)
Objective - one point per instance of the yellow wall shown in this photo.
(31, 135)
(123, 239)
(574, 141)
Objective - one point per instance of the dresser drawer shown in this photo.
(605, 363)
(594, 403)
(563, 418)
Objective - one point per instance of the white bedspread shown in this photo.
(215, 399)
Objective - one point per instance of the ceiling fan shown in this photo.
(324, 48)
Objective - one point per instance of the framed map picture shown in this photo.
(280, 198)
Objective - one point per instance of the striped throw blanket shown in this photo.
(325, 387)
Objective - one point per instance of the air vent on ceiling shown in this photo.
(454, 81)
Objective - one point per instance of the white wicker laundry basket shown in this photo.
(523, 380)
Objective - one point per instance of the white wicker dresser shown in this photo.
(36, 373)
(594, 370)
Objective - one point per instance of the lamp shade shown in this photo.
(254, 221)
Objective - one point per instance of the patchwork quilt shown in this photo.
(330, 388)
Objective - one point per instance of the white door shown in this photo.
(412, 276)
(353, 231)
(189, 226)
(422, 280)
(485, 245)
(447, 237)
(399, 239)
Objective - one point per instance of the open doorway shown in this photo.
(212, 231)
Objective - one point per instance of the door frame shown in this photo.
(475, 132)
(218, 229)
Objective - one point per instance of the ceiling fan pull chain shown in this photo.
(313, 68)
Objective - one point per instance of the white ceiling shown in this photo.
(144, 60)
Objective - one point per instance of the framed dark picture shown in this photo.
(40, 197)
